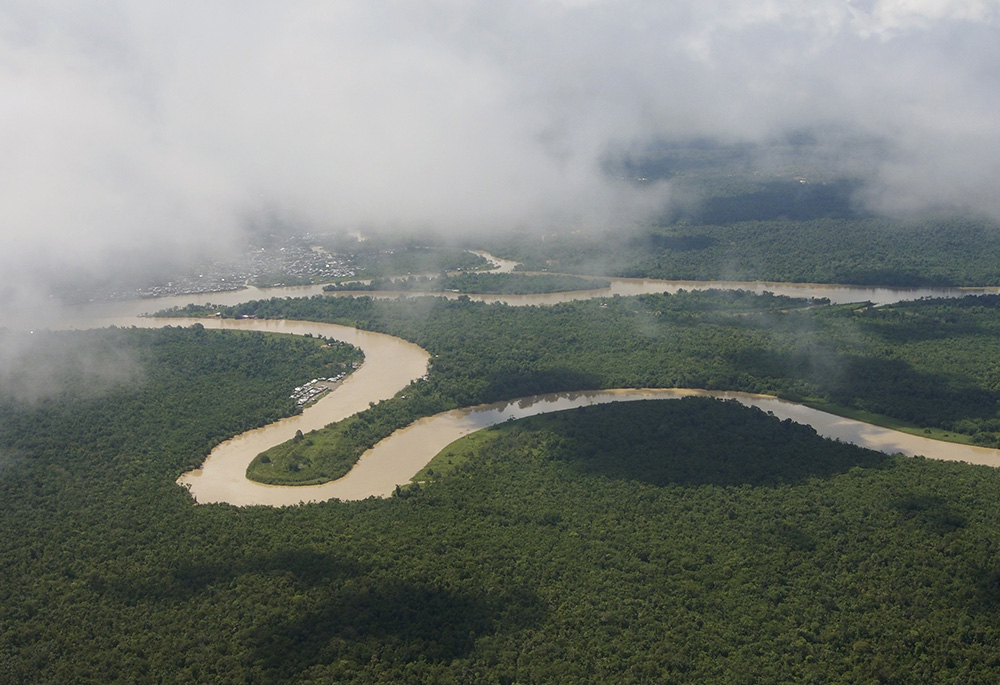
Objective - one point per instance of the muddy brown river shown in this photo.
(391, 364)
(397, 459)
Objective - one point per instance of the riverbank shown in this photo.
(396, 460)
(390, 365)
(223, 478)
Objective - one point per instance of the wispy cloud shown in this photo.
(148, 128)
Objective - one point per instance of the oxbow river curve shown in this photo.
(392, 363)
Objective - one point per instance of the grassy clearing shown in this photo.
(453, 457)
(318, 457)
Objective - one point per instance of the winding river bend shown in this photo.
(398, 458)
(391, 364)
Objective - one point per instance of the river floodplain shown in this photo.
(392, 363)
(397, 459)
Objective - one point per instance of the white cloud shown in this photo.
(889, 16)
(131, 126)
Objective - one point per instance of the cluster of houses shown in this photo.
(314, 388)
(285, 260)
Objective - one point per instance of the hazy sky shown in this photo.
(130, 127)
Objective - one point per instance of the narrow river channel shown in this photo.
(391, 364)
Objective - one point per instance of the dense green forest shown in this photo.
(781, 212)
(929, 365)
(685, 541)
(193, 386)
(671, 541)
(507, 284)
(947, 251)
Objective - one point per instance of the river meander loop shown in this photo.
(392, 363)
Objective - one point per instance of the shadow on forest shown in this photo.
(654, 242)
(932, 512)
(348, 615)
(185, 578)
(699, 441)
(510, 384)
(986, 586)
(909, 329)
(783, 200)
(890, 387)
(371, 620)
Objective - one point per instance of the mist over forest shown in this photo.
(142, 138)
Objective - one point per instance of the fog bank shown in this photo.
(135, 132)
